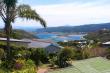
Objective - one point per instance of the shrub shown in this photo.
(2, 53)
(29, 62)
(52, 59)
(28, 70)
(19, 64)
(65, 55)
(86, 53)
(78, 55)
(39, 56)
(108, 53)
(7, 64)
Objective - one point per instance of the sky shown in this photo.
(67, 12)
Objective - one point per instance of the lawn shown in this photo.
(93, 65)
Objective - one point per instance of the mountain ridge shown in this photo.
(81, 28)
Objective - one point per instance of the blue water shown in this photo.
(46, 36)
(58, 38)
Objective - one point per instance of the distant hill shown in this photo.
(82, 28)
(101, 35)
(18, 34)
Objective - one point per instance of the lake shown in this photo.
(58, 38)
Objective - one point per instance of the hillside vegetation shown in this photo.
(99, 36)
(82, 28)
(18, 34)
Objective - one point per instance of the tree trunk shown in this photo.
(7, 30)
(8, 47)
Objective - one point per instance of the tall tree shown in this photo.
(9, 11)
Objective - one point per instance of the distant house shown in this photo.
(106, 44)
(49, 45)
(53, 48)
(15, 41)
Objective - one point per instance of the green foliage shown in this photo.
(108, 53)
(25, 11)
(99, 36)
(30, 63)
(28, 70)
(52, 59)
(39, 56)
(86, 53)
(8, 12)
(69, 43)
(19, 63)
(7, 65)
(108, 50)
(77, 29)
(18, 34)
(78, 55)
(66, 54)
(18, 54)
(2, 53)
(19, 66)
(23, 64)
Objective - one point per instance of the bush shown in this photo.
(86, 53)
(19, 64)
(52, 59)
(108, 53)
(39, 56)
(78, 55)
(65, 55)
(7, 64)
(24, 54)
(30, 63)
(28, 70)
(2, 53)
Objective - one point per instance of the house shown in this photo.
(49, 45)
(106, 44)
(15, 41)
(53, 48)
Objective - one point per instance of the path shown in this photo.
(41, 70)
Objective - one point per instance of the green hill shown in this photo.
(81, 28)
(101, 35)
(18, 34)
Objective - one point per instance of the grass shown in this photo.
(93, 65)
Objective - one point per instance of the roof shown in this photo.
(14, 40)
(43, 40)
(37, 44)
(106, 43)
(56, 45)
(41, 43)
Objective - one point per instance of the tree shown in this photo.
(39, 56)
(9, 11)
(65, 55)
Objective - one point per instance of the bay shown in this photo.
(57, 38)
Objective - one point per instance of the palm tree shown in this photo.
(9, 11)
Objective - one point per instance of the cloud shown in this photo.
(77, 12)
(74, 13)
